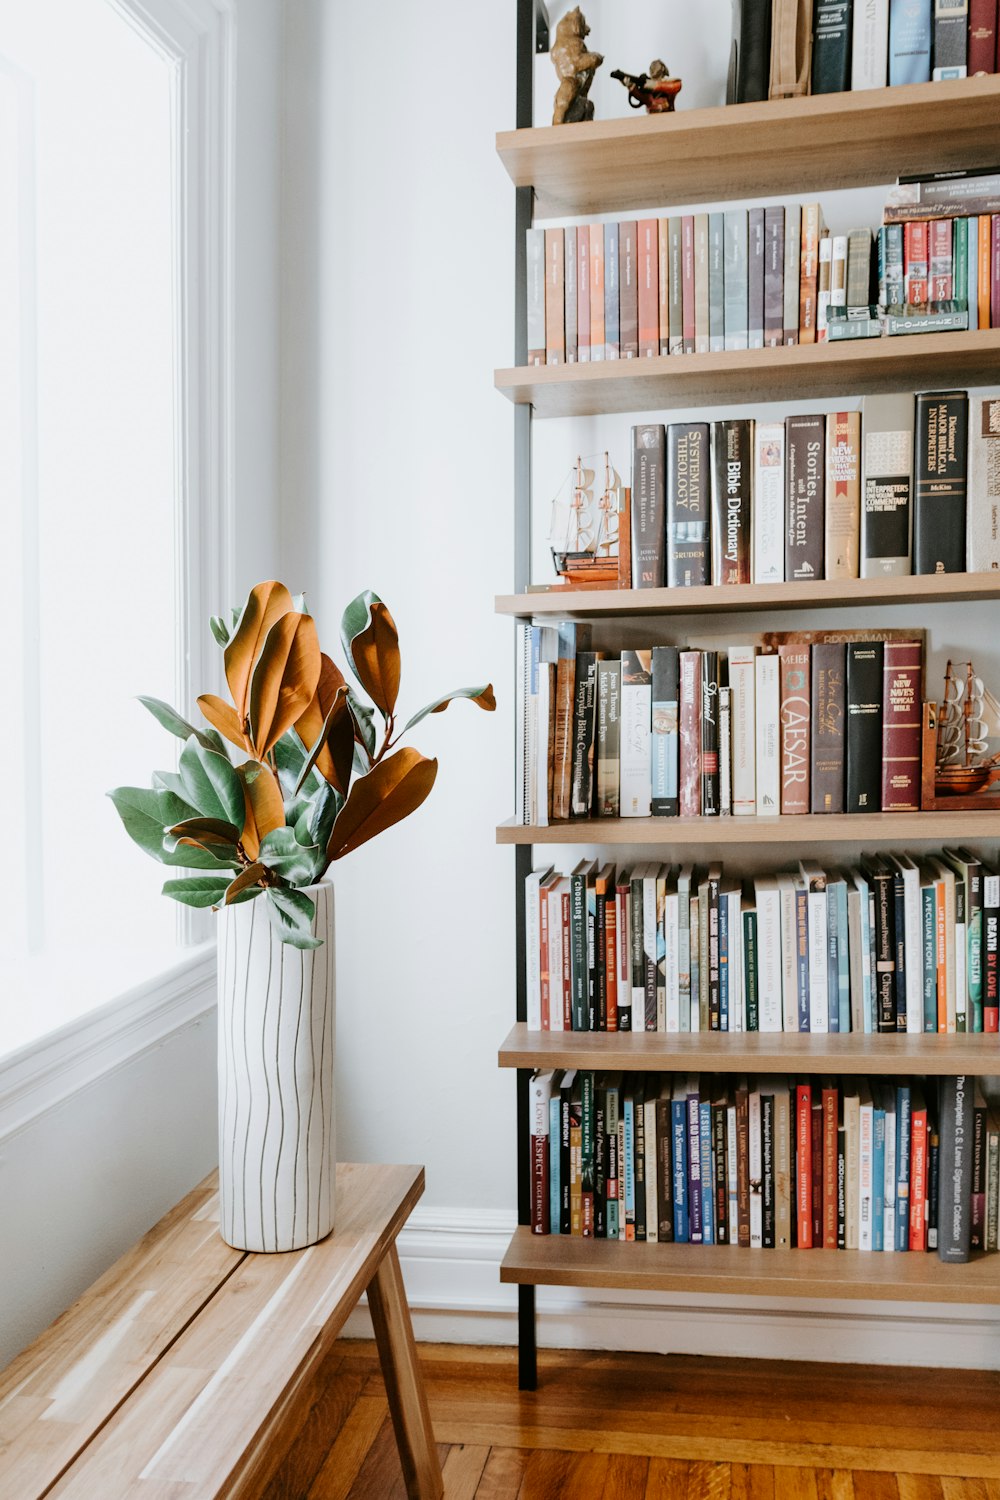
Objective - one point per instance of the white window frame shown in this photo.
(197, 39)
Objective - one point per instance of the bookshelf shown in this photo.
(746, 151)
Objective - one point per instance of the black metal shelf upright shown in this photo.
(532, 37)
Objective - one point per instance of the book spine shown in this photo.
(541, 1086)
(792, 272)
(918, 1180)
(735, 309)
(750, 965)
(940, 261)
(583, 293)
(951, 21)
(983, 523)
(809, 273)
(716, 283)
(648, 289)
(774, 265)
(695, 1200)
(687, 282)
(829, 661)
(886, 485)
(803, 1166)
(885, 949)
(536, 296)
(584, 730)
(767, 696)
(665, 731)
(977, 1206)
(864, 726)
(902, 725)
(831, 56)
(676, 285)
(701, 328)
(678, 1172)
(895, 276)
(804, 495)
(688, 504)
(939, 504)
(991, 951)
(995, 270)
(608, 738)
(578, 951)
(916, 263)
(842, 537)
(648, 505)
(769, 503)
(709, 734)
(743, 715)
(663, 284)
(755, 278)
(563, 721)
(909, 42)
(596, 292)
(982, 37)
(795, 717)
(955, 1171)
(555, 315)
(730, 527)
(635, 788)
(612, 293)
(690, 734)
(870, 45)
(570, 300)
(628, 289)
(823, 289)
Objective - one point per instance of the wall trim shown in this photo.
(42, 1075)
(451, 1257)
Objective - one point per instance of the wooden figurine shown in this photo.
(655, 89)
(575, 68)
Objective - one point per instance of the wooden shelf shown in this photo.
(561, 1260)
(837, 593)
(845, 370)
(897, 829)
(751, 1052)
(711, 155)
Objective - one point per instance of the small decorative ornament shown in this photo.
(655, 89)
(575, 68)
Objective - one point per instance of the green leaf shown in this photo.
(171, 782)
(364, 722)
(211, 784)
(289, 756)
(355, 620)
(171, 719)
(147, 813)
(440, 704)
(325, 809)
(198, 890)
(291, 914)
(220, 630)
(281, 851)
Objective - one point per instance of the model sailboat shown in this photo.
(584, 526)
(968, 719)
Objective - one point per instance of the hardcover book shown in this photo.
(870, 44)
(831, 56)
(841, 552)
(584, 728)
(750, 62)
(829, 669)
(709, 733)
(769, 503)
(902, 725)
(955, 1170)
(795, 714)
(665, 731)
(688, 559)
(804, 471)
(864, 726)
(951, 24)
(942, 421)
(982, 37)
(648, 505)
(983, 528)
(608, 740)
(690, 734)
(909, 41)
(886, 480)
(731, 495)
(635, 790)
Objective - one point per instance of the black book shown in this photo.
(879, 875)
(826, 779)
(600, 1158)
(665, 743)
(579, 946)
(941, 476)
(954, 1220)
(710, 734)
(732, 472)
(805, 447)
(933, 1177)
(648, 506)
(714, 993)
(604, 891)
(767, 1164)
(664, 1166)
(750, 57)
(584, 722)
(831, 57)
(721, 1185)
(565, 1100)
(864, 727)
(688, 505)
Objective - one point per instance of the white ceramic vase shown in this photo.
(276, 1105)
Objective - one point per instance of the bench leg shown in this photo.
(404, 1385)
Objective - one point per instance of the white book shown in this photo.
(684, 875)
(789, 950)
(819, 988)
(887, 1097)
(823, 294)
(838, 271)
(533, 942)
(543, 724)
(914, 942)
(649, 937)
(768, 525)
(671, 937)
(951, 958)
(865, 1139)
(742, 716)
(732, 1172)
(635, 767)
(768, 719)
(725, 752)
(769, 968)
(870, 45)
(983, 506)
(649, 1155)
(557, 970)
(755, 1156)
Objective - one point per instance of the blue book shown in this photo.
(695, 1203)
(904, 1112)
(678, 1123)
(909, 41)
(707, 1175)
(878, 1173)
(628, 1163)
(972, 265)
(612, 333)
(555, 1154)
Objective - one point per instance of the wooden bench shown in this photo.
(178, 1371)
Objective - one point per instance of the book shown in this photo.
(628, 289)
(863, 758)
(608, 742)
(583, 293)
(769, 503)
(735, 310)
(730, 525)
(709, 733)
(951, 20)
(596, 292)
(716, 282)
(701, 315)
(767, 751)
(909, 41)
(940, 261)
(569, 638)
(983, 520)
(886, 484)
(842, 534)
(687, 283)
(540, 1096)
(581, 795)
(902, 725)
(635, 787)
(675, 285)
(939, 500)
(742, 730)
(665, 688)
(535, 272)
(755, 278)
(795, 714)
(555, 317)
(831, 48)
(750, 59)
(774, 273)
(955, 1174)
(812, 233)
(690, 734)
(688, 561)
(648, 505)
(793, 250)
(570, 298)
(828, 711)
(859, 267)
(982, 56)
(612, 293)
(805, 441)
(663, 284)
(870, 45)
(647, 298)
(916, 263)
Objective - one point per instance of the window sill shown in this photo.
(38, 1073)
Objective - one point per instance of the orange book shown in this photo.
(984, 271)
(596, 291)
(555, 311)
(663, 283)
(648, 269)
(803, 1164)
(812, 232)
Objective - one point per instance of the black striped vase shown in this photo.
(276, 1105)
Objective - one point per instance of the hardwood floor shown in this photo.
(645, 1427)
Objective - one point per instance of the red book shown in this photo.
(583, 293)
(982, 56)
(649, 304)
(918, 1173)
(940, 262)
(687, 282)
(995, 271)
(915, 267)
(690, 734)
(830, 1100)
(795, 714)
(902, 725)
(803, 1165)
(817, 1173)
(555, 310)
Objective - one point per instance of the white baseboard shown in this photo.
(451, 1258)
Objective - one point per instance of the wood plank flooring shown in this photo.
(645, 1427)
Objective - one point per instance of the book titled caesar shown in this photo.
(769, 502)
(955, 1169)
(826, 782)
(731, 495)
(648, 505)
(841, 552)
(635, 790)
(831, 55)
(939, 502)
(795, 715)
(983, 526)
(902, 725)
(864, 726)
(665, 731)
(804, 525)
(886, 484)
(688, 505)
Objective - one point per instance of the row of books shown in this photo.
(815, 722)
(866, 46)
(905, 485)
(890, 945)
(766, 1163)
(753, 278)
